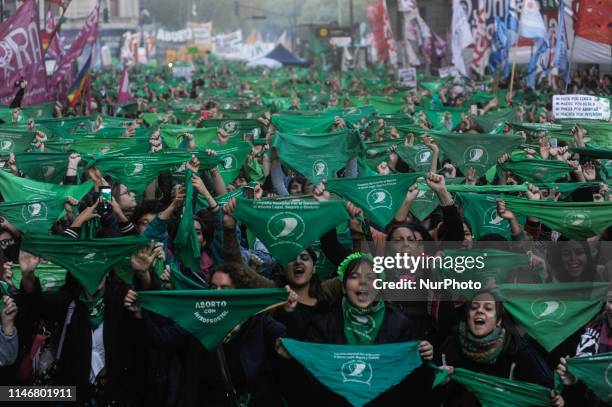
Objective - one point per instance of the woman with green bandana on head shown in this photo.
(362, 318)
(485, 342)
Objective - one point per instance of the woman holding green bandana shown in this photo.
(361, 318)
(486, 343)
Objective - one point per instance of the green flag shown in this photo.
(317, 156)
(51, 277)
(535, 170)
(21, 189)
(478, 151)
(417, 157)
(211, 314)
(136, 171)
(493, 391)
(379, 196)
(289, 227)
(232, 156)
(87, 260)
(186, 240)
(594, 371)
(358, 373)
(35, 216)
(480, 211)
(550, 313)
(576, 220)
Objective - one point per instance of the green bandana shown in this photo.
(181, 282)
(136, 171)
(357, 373)
(186, 240)
(594, 371)
(361, 325)
(550, 313)
(287, 228)
(493, 122)
(483, 350)
(417, 157)
(232, 156)
(487, 189)
(427, 201)
(43, 167)
(51, 277)
(36, 216)
(174, 136)
(317, 156)
(494, 391)
(87, 260)
(303, 124)
(481, 214)
(576, 220)
(221, 200)
(498, 265)
(108, 145)
(95, 306)
(15, 141)
(478, 151)
(533, 170)
(379, 196)
(211, 314)
(21, 189)
(236, 128)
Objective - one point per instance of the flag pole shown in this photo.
(518, 37)
(569, 67)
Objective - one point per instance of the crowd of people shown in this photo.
(197, 185)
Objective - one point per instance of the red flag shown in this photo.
(593, 20)
(21, 56)
(376, 15)
(124, 95)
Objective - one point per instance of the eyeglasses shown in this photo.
(4, 243)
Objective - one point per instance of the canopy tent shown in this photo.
(282, 55)
(265, 62)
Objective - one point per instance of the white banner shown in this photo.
(183, 35)
(407, 77)
(202, 33)
(581, 107)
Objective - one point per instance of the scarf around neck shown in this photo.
(361, 325)
(483, 350)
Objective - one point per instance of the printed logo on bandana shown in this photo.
(230, 127)
(6, 145)
(357, 371)
(423, 195)
(353, 110)
(34, 212)
(608, 377)
(423, 157)
(105, 149)
(577, 219)
(492, 219)
(210, 311)
(286, 225)
(379, 198)
(476, 155)
(49, 282)
(133, 168)
(548, 311)
(93, 258)
(319, 169)
(48, 171)
(229, 163)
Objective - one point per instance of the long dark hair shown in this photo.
(556, 262)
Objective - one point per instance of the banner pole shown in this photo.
(570, 61)
(518, 37)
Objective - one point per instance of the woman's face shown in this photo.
(574, 259)
(482, 316)
(295, 188)
(126, 198)
(467, 237)
(359, 288)
(144, 221)
(221, 281)
(300, 271)
(198, 229)
(408, 240)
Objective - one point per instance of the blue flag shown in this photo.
(561, 61)
(538, 62)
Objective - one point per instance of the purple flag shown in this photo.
(87, 36)
(21, 56)
(124, 95)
